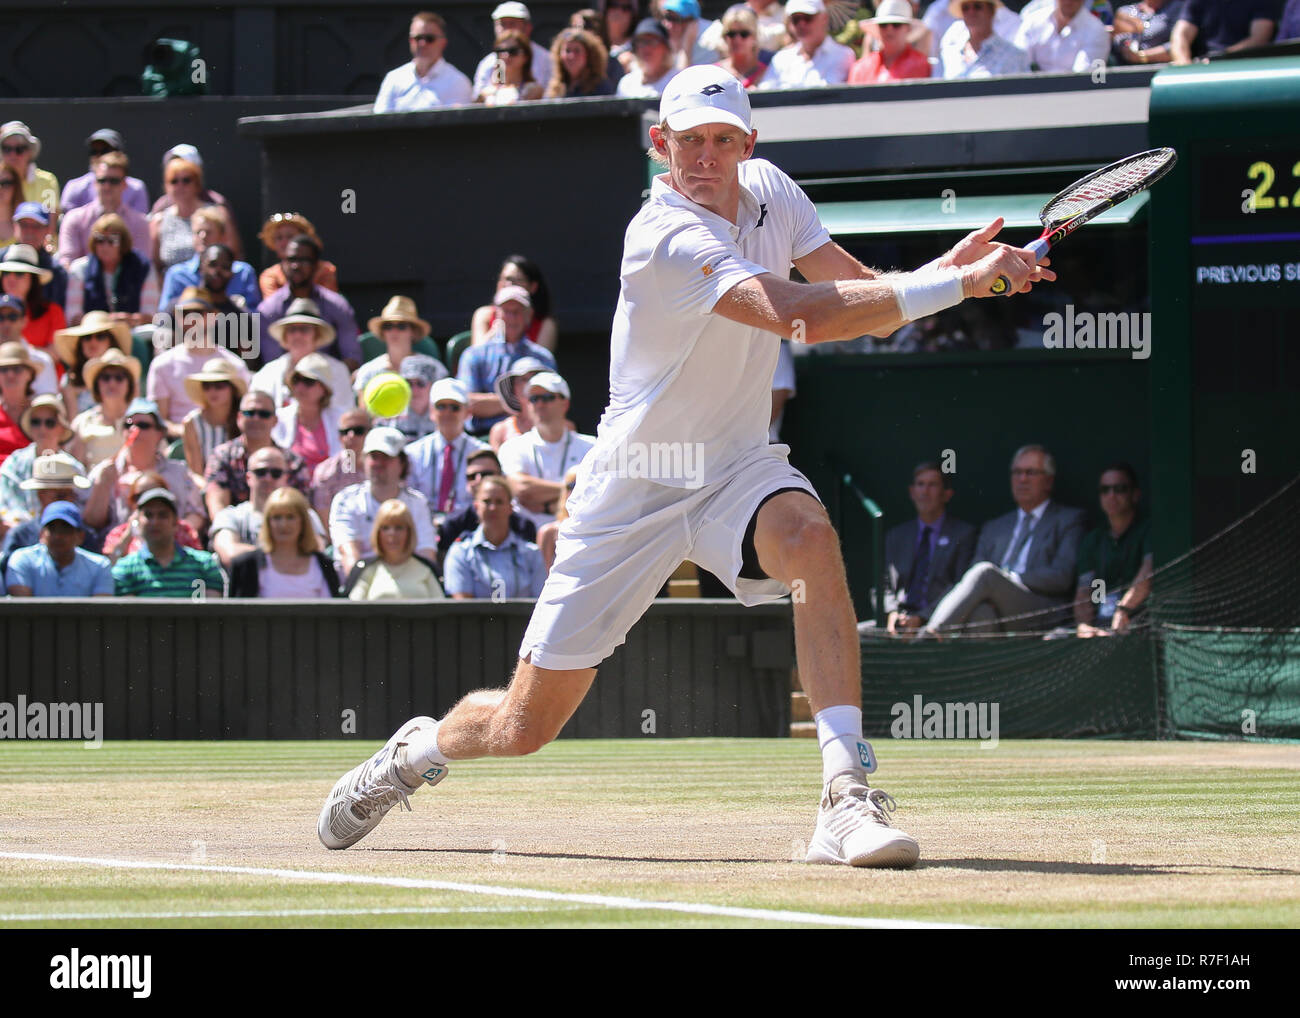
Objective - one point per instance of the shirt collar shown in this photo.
(1037, 514)
(747, 214)
(935, 527)
(433, 71)
(511, 541)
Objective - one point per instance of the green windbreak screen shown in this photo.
(928, 215)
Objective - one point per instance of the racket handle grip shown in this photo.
(1039, 247)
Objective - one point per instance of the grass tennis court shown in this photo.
(651, 833)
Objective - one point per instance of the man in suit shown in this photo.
(1024, 561)
(924, 557)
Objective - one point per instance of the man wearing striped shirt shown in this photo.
(163, 568)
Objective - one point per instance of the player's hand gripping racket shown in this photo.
(1092, 195)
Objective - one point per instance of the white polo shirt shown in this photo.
(403, 90)
(829, 65)
(688, 388)
(531, 454)
(1074, 48)
(353, 512)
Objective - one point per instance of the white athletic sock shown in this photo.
(839, 733)
(422, 750)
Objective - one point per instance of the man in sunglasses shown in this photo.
(235, 528)
(226, 476)
(145, 449)
(654, 68)
(428, 81)
(439, 460)
(512, 17)
(32, 227)
(536, 461)
(58, 566)
(814, 59)
(1118, 554)
(110, 188)
(300, 261)
(81, 190)
(685, 28)
(344, 468)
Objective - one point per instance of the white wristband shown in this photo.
(924, 293)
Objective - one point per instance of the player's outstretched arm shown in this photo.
(845, 309)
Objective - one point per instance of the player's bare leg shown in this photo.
(519, 719)
(797, 545)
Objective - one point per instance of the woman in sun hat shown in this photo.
(77, 346)
(216, 390)
(113, 381)
(17, 374)
(20, 149)
(400, 326)
(894, 59)
(309, 425)
(301, 331)
(276, 233)
(21, 276)
(47, 427)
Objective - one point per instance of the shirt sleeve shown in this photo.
(384, 100)
(466, 372)
(511, 455)
(425, 536)
(225, 520)
(697, 267)
(103, 583)
(124, 584)
(343, 519)
(456, 575)
(20, 571)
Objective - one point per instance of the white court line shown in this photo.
(601, 900)
(288, 913)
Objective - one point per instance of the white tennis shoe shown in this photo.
(367, 792)
(852, 827)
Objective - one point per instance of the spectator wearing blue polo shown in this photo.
(58, 566)
(493, 561)
(163, 568)
(482, 365)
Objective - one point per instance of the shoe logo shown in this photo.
(431, 773)
(866, 757)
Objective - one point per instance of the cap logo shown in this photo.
(711, 90)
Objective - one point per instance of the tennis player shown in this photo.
(682, 468)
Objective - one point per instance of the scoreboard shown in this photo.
(1225, 294)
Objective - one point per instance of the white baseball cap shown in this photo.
(705, 94)
(551, 382)
(389, 441)
(511, 9)
(448, 388)
(804, 7)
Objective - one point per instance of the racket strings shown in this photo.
(1122, 179)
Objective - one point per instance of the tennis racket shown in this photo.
(1092, 195)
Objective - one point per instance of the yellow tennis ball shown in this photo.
(388, 394)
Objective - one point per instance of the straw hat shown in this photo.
(22, 258)
(110, 358)
(303, 311)
(15, 352)
(55, 470)
(17, 127)
(316, 367)
(217, 369)
(53, 402)
(293, 219)
(65, 340)
(194, 298)
(954, 7)
(398, 309)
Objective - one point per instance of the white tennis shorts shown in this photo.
(626, 536)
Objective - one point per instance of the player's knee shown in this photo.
(810, 541)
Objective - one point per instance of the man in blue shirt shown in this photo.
(481, 366)
(210, 231)
(58, 566)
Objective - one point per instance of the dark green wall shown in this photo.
(879, 415)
